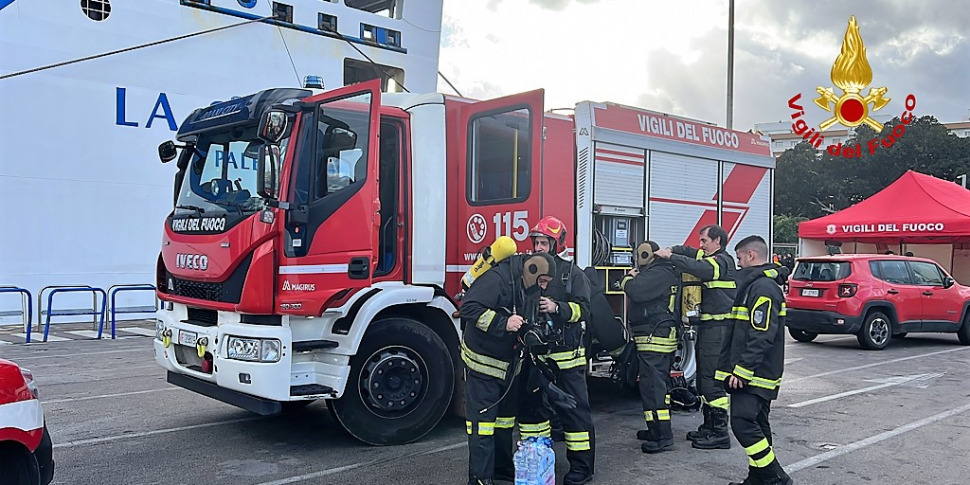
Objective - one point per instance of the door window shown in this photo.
(500, 166)
(341, 145)
(892, 272)
(926, 274)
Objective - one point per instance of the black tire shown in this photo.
(964, 333)
(391, 350)
(17, 466)
(876, 331)
(801, 335)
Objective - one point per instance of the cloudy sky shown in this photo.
(670, 56)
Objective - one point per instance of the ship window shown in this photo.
(385, 8)
(283, 12)
(499, 148)
(392, 78)
(97, 10)
(326, 23)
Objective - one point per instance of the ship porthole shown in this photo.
(97, 10)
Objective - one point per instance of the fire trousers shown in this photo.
(489, 433)
(708, 351)
(577, 424)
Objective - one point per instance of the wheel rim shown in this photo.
(392, 381)
(879, 331)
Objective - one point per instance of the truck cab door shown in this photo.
(499, 170)
(331, 229)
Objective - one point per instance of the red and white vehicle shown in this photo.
(25, 445)
(328, 271)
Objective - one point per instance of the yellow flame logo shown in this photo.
(851, 73)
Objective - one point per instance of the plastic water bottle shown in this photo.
(547, 462)
(526, 460)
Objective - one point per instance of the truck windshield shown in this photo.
(221, 175)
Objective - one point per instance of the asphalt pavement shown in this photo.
(845, 416)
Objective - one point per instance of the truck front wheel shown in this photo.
(400, 384)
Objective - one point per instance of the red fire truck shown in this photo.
(317, 238)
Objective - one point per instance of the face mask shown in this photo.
(536, 265)
(645, 254)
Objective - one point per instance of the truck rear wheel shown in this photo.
(399, 386)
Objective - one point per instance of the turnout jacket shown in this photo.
(486, 346)
(753, 349)
(570, 289)
(652, 294)
(717, 273)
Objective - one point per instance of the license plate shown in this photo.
(809, 292)
(187, 338)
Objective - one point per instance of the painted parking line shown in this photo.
(145, 332)
(888, 382)
(104, 396)
(88, 333)
(364, 464)
(875, 364)
(38, 337)
(127, 351)
(849, 448)
(106, 439)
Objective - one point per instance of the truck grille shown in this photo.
(229, 291)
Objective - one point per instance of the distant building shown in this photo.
(782, 137)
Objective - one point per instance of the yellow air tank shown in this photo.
(502, 248)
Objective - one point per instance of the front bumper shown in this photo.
(250, 385)
(822, 322)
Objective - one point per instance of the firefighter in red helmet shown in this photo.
(566, 303)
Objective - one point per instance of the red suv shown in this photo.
(874, 297)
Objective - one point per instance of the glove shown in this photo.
(558, 397)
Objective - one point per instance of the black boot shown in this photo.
(480, 481)
(704, 429)
(576, 477)
(774, 474)
(718, 438)
(663, 438)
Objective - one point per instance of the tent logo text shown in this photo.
(851, 73)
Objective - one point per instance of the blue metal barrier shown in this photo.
(26, 309)
(94, 311)
(113, 292)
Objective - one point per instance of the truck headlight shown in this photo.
(269, 351)
(159, 328)
(253, 349)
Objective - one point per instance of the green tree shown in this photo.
(786, 228)
(811, 184)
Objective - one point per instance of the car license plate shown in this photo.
(809, 292)
(187, 338)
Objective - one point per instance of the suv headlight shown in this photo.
(253, 349)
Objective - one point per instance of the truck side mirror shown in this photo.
(166, 151)
(273, 126)
(948, 282)
(269, 172)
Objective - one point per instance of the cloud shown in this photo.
(667, 57)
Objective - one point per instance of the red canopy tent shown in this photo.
(915, 209)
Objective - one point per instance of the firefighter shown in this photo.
(652, 290)
(753, 358)
(491, 314)
(715, 268)
(566, 302)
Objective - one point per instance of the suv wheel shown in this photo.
(875, 332)
(801, 335)
(964, 332)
